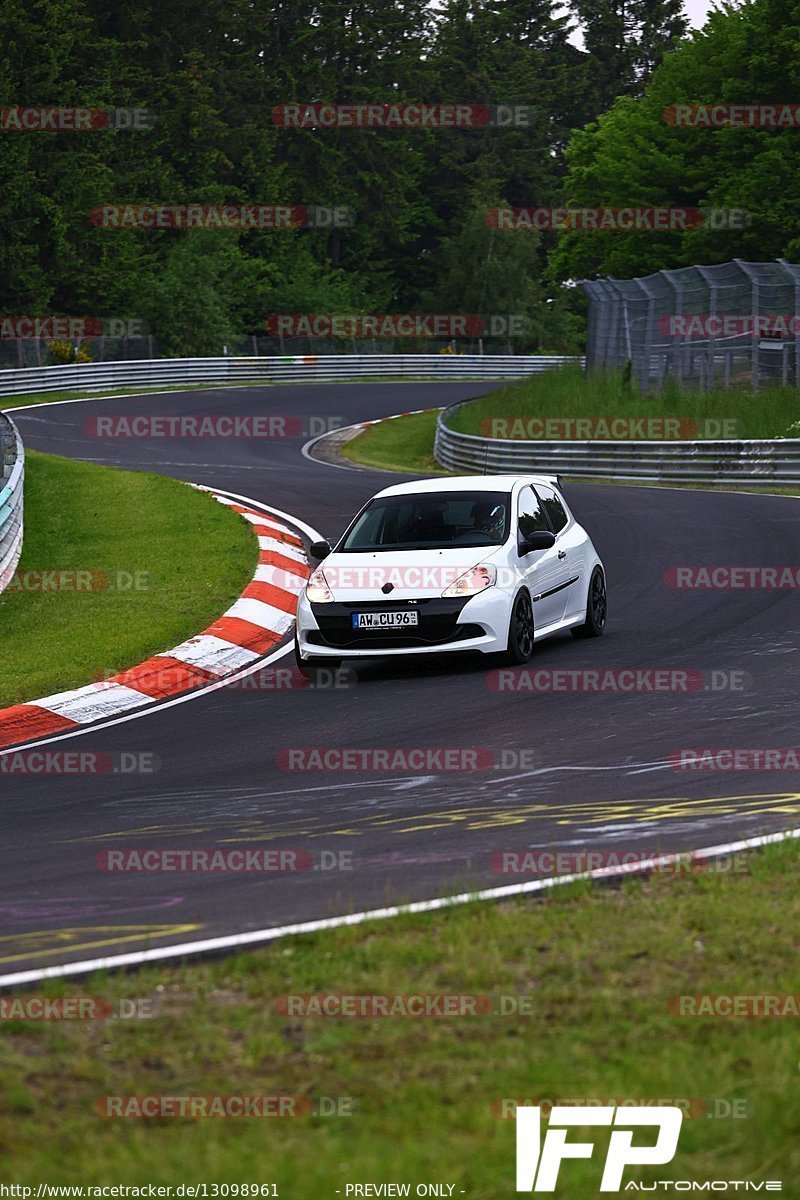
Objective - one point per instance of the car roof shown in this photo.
(462, 483)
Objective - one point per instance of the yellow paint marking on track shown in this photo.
(485, 816)
(40, 943)
(145, 831)
(589, 813)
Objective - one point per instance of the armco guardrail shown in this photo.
(766, 462)
(12, 475)
(290, 369)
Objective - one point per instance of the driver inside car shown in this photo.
(489, 518)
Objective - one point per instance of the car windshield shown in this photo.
(430, 521)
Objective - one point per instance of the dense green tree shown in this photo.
(43, 47)
(212, 77)
(493, 274)
(636, 155)
(626, 40)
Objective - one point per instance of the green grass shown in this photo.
(402, 444)
(595, 965)
(196, 557)
(567, 393)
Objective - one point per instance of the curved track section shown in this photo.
(573, 769)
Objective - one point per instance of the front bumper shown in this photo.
(478, 623)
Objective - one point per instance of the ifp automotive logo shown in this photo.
(538, 1164)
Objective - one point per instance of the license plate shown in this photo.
(384, 620)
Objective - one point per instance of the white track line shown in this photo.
(261, 936)
(222, 387)
(305, 450)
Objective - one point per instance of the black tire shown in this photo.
(311, 666)
(596, 608)
(520, 630)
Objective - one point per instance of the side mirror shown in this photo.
(542, 539)
(320, 549)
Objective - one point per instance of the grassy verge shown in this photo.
(402, 444)
(406, 443)
(589, 972)
(159, 562)
(567, 393)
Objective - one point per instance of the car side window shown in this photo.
(553, 507)
(530, 515)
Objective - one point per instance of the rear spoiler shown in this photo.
(554, 481)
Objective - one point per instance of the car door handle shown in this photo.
(562, 554)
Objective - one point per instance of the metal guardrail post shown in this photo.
(794, 275)
(755, 310)
(676, 354)
(596, 313)
(650, 332)
(713, 295)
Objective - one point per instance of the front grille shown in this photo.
(390, 640)
(438, 625)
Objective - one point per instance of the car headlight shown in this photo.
(317, 590)
(476, 579)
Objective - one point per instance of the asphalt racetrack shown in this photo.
(574, 769)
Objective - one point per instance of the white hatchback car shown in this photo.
(491, 563)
